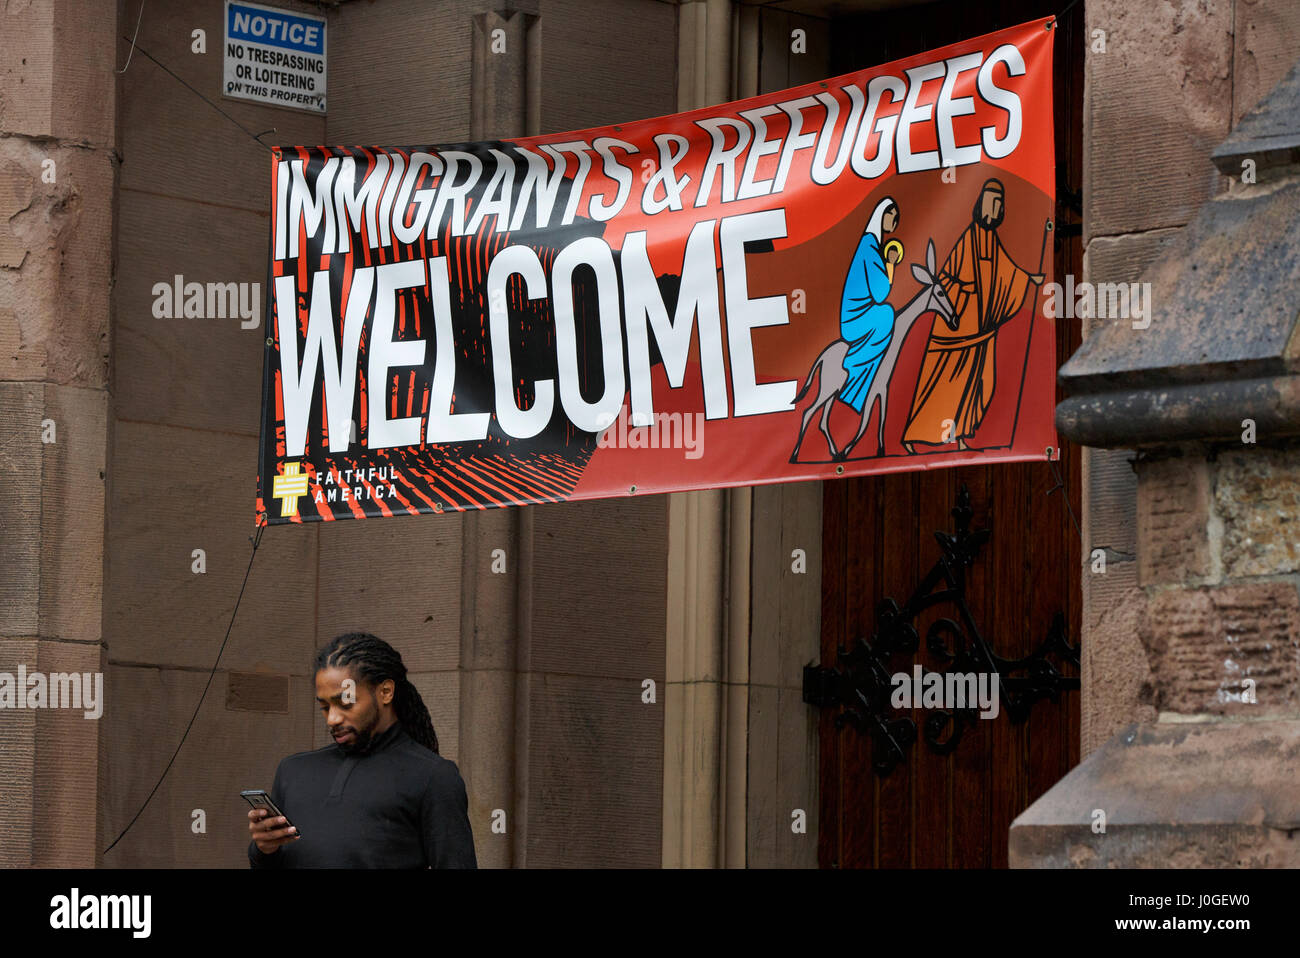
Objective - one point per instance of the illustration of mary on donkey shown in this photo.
(866, 319)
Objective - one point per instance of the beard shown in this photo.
(362, 738)
(990, 222)
(360, 744)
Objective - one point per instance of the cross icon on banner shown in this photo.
(288, 487)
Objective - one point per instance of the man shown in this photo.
(987, 289)
(381, 796)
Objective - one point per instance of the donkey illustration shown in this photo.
(931, 298)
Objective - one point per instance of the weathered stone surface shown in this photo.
(1118, 688)
(67, 764)
(1257, 497)
(52, 512)
(57, 70)
(1202, 643)
(1148, 153)
(1264, 49)
(56, 261)
(1211, 317)
(1173, 504)
(1206, 795)
(1268, 136)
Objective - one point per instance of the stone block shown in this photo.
(1173, 504)
(64, 832)
(57, 249)
(603, 563)
(1257, 497)
(60, 57)
(52, 515)
(1264, 49)
(785, 623)
(18, 761)
(1215, 795)
(605, 36)
(1146, 158)
(1202, 643)
(486, 732)
(73, 493)
(781, 777)
(177, 490)
(22, 407)
(200, 373)
(408, 69)
(1118, 688)
(595, 774)
(398, 578)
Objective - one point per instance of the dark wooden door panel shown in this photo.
(878, 541)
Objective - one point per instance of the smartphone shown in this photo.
(259, 799)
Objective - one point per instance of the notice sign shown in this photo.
(840, 279)
(274, 57)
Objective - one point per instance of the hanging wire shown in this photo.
(256, 539)
(136, 34)
(251, 135)
(1065, 495)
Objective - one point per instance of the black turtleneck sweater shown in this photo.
(397, 805)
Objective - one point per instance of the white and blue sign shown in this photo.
(274, 57)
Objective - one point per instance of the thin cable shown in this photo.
(137, 33)
(251, 135)
(256, 540)
(1060, 484)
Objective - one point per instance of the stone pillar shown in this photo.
(505, 66)
(1205, 387)
(58, 173)
(707, 667)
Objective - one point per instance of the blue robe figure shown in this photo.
(866, 320)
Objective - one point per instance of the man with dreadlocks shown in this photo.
(381, 796)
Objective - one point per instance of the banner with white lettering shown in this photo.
(840, 279)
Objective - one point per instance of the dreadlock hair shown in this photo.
(374, 660)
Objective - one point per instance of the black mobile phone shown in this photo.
(259, 799)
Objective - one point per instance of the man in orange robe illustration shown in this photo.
(987, 289)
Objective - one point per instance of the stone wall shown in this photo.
(1192, 644)
(1199, 68)
(532, 677)
(58, 173)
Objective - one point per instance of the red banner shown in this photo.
(840, 279)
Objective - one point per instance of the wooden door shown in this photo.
(954, 810)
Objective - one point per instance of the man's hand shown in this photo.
(270, 833)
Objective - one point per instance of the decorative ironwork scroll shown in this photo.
(861, 681)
